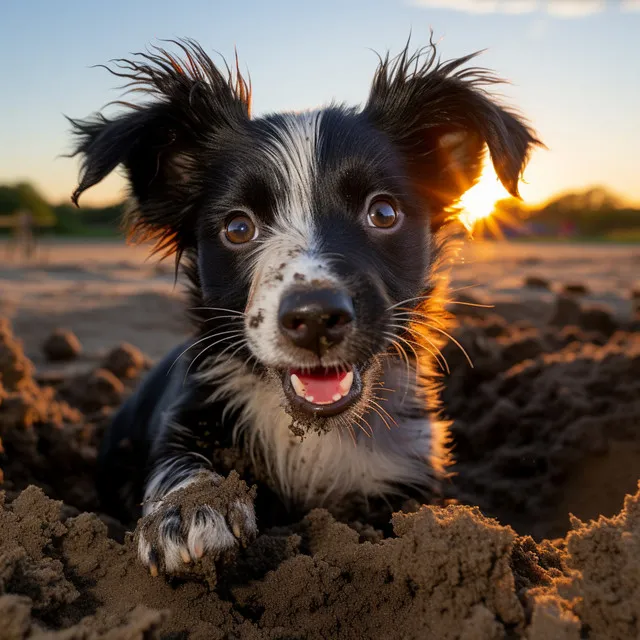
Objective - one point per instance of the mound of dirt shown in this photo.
(447, 573)
(546, 423)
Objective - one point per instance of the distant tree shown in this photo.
(31, 200)
(68, 220)
(593, 212)
(9, 200)
(24, 196)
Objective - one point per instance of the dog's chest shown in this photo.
(321, 469)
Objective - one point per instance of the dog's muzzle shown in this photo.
(316, 320)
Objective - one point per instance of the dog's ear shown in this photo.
(441, 118)
(160, 144)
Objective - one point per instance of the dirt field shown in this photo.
(547, 423)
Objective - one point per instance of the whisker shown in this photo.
(236, 318)
(352, 434)
(210, 346)
(206, 337)
(438, 355)
(385, 412)
(448, 335)
(403, 354)
(471, 304)
(397, 304)
(386, 424)
(361, 417)
(410, 344)
(233, 311)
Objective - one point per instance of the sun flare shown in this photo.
(478, 203)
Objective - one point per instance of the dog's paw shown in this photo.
(212, 515)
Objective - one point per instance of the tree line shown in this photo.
(595, 212)
(63, 219)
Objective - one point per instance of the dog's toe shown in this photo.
(242, 520)
(169, 539)
(208, 532)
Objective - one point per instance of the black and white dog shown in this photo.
(311, 245)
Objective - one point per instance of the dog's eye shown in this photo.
(381, 214)
(240, 229)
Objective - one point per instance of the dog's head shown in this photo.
(311, 235)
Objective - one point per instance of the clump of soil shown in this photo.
(125, 361)
(536, 282)
(547, 422)
(576, 288)
(43, 440)
(62, 345)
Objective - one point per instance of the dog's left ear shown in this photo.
(441, 118)
(161, 143)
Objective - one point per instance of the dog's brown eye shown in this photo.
(382, 214)
(240, 229)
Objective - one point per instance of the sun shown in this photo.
(479, 201)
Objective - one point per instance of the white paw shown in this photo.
(175, 534)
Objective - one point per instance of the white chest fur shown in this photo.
(322, 468)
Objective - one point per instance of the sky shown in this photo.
(573, 68)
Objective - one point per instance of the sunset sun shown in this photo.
(478, 202)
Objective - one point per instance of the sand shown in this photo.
(547, 423)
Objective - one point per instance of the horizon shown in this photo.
(577, 96)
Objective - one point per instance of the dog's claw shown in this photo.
(174, 536)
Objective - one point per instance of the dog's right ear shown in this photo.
(160, 143)
(441, 118)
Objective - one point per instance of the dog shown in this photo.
(312, 244)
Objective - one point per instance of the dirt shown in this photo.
(545, 425)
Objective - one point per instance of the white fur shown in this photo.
(211, 535)
(248, 516)
(322, 467)
(276, 273)
(288, 249)
(144, 549)
(294, 151)
(171, 548)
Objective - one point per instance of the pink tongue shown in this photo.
(320, 386)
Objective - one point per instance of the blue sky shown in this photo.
(574, 65)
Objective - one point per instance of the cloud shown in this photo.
(630, 5)
(574, 8)
(556, 8)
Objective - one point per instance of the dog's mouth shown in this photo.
(322, 392)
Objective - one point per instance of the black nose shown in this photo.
(316, 319)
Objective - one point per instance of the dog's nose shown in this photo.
(316, 319)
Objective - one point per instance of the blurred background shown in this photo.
(547, 289)
(573, 68)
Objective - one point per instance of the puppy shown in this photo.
(311, 243)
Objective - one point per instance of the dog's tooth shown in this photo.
(297, 385)
(345, 383)
(309, 398)
(337, 397)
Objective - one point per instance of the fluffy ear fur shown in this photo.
(159, 142)
(441, 118)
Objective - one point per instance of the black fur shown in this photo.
(193, 154)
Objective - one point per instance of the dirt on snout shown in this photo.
(546, 424)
